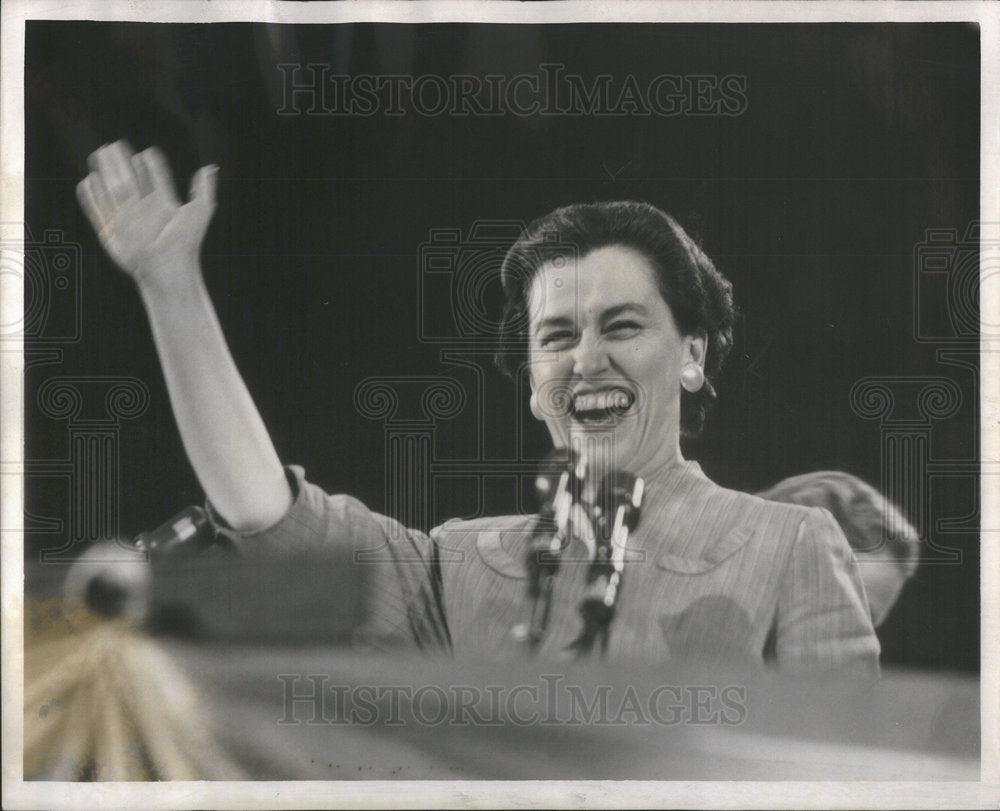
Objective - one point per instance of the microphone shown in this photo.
(614, 515)
(190, 530)
(557, 487)
(108, 581)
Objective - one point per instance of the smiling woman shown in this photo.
(600, 330)
(678, 274)
(625, 325)
(622, 301)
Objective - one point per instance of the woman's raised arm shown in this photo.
(131, 202)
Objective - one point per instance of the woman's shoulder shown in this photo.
(773, 524)
(746, 507)
(492, 523)
(496, 541)
(785, 529)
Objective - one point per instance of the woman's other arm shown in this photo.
(156, 239)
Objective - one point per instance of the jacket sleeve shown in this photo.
(823, 621)
(396, 568)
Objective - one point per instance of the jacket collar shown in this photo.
(675, 497)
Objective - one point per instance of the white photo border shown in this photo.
(19, 794)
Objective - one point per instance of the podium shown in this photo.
(233, 684)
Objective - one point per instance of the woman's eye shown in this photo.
(558, 337)
(623, 328)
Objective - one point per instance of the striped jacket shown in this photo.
(709, 573)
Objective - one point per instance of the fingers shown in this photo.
(203, 185)
(111, 184)
(118, 177)
(124, 187)
(158, 173)
(113, 163)
(93, 200)
(142, 176)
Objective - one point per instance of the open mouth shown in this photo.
(601, 407)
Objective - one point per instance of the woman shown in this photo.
(614, 331)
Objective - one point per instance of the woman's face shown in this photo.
(605, 360)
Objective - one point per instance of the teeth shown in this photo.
(602, 401)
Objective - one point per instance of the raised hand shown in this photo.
(156, 239)
(131, 201)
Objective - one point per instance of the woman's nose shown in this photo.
(590, 356)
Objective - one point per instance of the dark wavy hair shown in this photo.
(699, 296)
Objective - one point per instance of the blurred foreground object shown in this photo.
(112, 580)
(104, 702)
(336, 715)
(104, 698)
(885, 544)
(241, 699)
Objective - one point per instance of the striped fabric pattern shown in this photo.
(710, 573)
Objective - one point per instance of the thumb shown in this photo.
(203, 185)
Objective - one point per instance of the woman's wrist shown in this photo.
(180, 283)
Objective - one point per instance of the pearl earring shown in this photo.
(533, 405)
(692, 377)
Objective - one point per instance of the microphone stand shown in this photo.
(620, 496)
(557, 490)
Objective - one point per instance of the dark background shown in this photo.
(856, 140)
